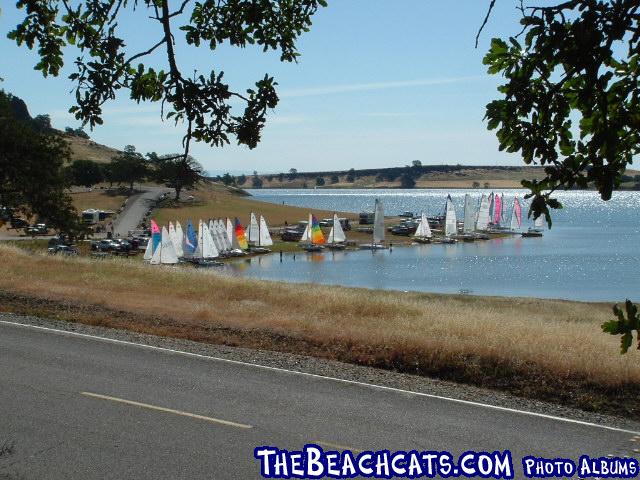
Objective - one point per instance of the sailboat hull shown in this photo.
(336, 246)
(372, 246)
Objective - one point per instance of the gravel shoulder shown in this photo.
(329, 368)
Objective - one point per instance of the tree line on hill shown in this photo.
(130, 167)
(407, 175)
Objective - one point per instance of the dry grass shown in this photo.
(540, 348)
(215, 201)
(87, 149)
(99, 199)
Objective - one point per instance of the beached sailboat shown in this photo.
(314, 240)
(206, 250)
(482, 224)
(450, 222)
(258, 235)
(423, 232)
(213, 231)
(177, 243)
(378, 229)
(168, 254)
(468, 227)
(516, 215)
(153, 243)
(337, 238)
(537, 229)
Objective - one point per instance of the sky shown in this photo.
(379, 83)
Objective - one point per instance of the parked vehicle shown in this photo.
(37, 229)
(62, 250)
(18, 223)
(103, 245)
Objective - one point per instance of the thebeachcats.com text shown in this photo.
(315, 462)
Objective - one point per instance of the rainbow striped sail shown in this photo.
(156, 235)
(317, 237)
(240, 235)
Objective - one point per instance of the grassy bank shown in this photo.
(545, 349)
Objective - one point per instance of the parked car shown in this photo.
(37, 229)
(121, 245)
(103, 245)
(407, 214)
(18, 223)
(62, 250)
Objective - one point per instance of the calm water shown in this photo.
(591, 253)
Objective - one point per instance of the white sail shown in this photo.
(423, 230)
(483, 214)
(539, 222)
(222, 235)
(469, 214)
(178, 242)
(209, 249)
(230, 232)
(378, 223)
(253, 230)
(198, 252)
(148, 252)
(450, 222)
(214, 235)
(336, 235)
(264, 236)
(155, 258)
(306, 236)
(167, 251)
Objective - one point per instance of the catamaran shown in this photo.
(423, 232)
(312, 239)
(378, 229)
(516, 216)
(258, 235)
(337, 238)
(536, 231)
(482, 224)
(450, 222)
(468, 227)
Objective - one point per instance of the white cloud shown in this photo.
(364, 87)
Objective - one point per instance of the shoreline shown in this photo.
(549, 350)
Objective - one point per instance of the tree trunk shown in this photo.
(178, 190)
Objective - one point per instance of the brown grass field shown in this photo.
(546, 349)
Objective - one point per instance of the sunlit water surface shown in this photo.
(591, 253)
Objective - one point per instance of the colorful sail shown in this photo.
(156, 235)
(317, 237)
(240, 235)
(497, 209)
(190, 243)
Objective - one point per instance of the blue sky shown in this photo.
(380, 83)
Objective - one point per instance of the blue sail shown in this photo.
(190, 240)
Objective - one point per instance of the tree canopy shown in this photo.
(32, 181)
(202, 101)
(571, 100)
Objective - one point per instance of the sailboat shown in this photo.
(153, 243)
(258, 235)
(482, 224)
(468, 227)
(337, 238)
(516, 215)
(234, 233)
(312, 239)
(423, 232)
(206, 250)
(536, 231)
(450, 222)
(378, 229)
(179, 235)
(165, 252)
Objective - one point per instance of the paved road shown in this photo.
(58, 432)
(137, 206)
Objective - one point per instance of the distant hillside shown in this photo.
(425, 176)
(87, 149)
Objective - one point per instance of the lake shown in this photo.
(591, 253)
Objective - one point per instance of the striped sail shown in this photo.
(317, 237)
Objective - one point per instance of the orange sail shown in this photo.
(240, 235)
(317, 237)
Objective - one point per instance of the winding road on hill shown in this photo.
(75, 406)
(135, 209)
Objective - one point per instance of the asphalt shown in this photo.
(58, 422)
(134, 211)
